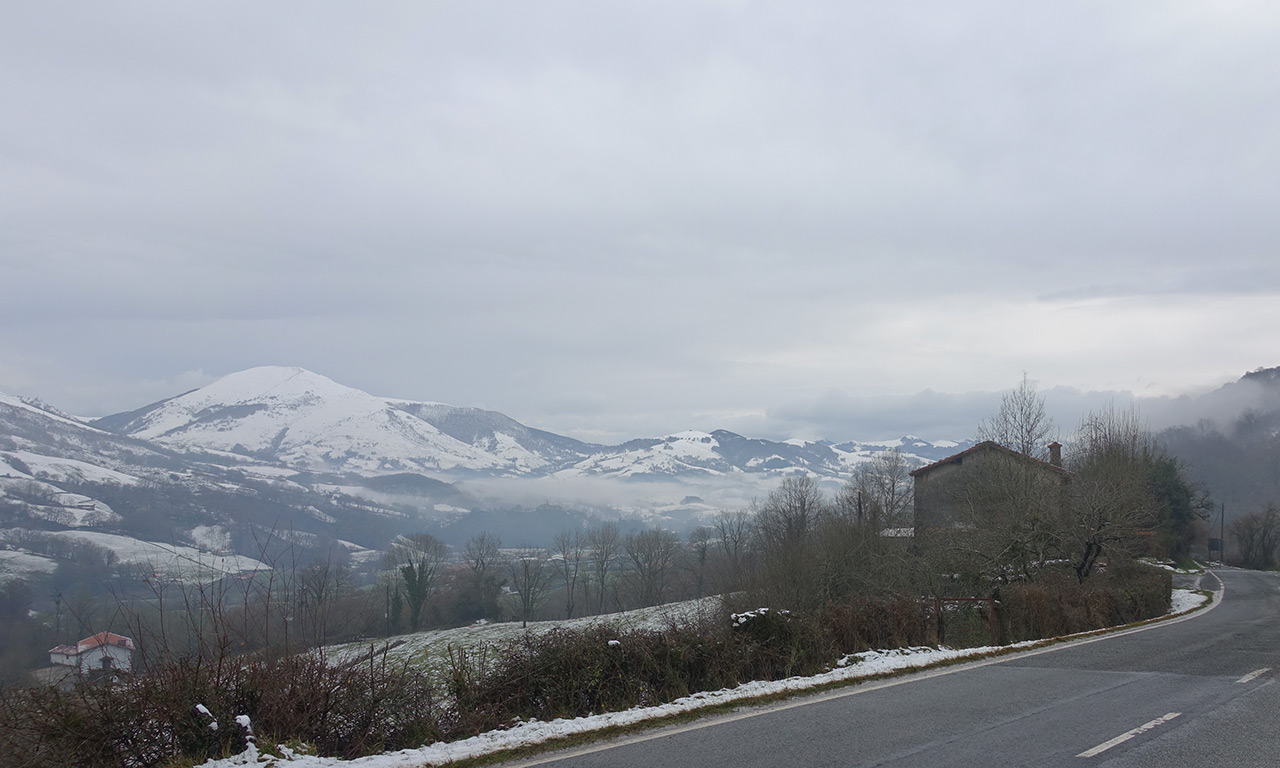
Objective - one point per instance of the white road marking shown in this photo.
(1253, 674)
(1122, 738)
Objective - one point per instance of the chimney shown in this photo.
(1055, 453)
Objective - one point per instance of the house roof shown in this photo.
(95, 641)
(989, 445)
(104, 638)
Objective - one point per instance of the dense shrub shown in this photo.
(345, 711)
(570, 673)
(1059, 606)
(860, 623)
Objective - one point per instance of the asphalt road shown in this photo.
(1186, 693)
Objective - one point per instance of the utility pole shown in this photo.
(1222, 535)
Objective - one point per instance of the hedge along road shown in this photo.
(1193, 692)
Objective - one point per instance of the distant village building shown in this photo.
(100, 652)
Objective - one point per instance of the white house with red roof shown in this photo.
(103, 651)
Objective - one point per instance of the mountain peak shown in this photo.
(691, 434)
(274, 379)
(306, 420)
(1267, 376)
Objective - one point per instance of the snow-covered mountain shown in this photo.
(269, 450)
(719, 453)
(311, 423)
(521, 449)
(66, 486)
(44, 452)
(304, 420)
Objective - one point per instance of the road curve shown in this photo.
(1199, 692)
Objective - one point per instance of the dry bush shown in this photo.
(571, 673)
(860, 623)
(342, 710)
(1059, 606)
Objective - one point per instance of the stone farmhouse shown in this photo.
(949, 492)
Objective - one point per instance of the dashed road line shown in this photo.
(1255, 673)
(1122, 738)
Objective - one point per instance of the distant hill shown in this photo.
(1233, 448)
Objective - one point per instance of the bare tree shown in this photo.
(1258, 537)
(479, 598)
(790, 513)
(482, 552)
(569, 551)
(879, 492)
(530, 578)
(854, 558)
(1022, 423)
(652, 554)
(604, 548)
(1007, 511)
(698, 557)
(320, 586)
(417, 558)
(785, 524)
(1011, 517)
(733, 531)
(1111, 499)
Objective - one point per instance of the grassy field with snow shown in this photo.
(431, 648)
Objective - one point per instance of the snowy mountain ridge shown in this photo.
(272, 450)
(311, 423)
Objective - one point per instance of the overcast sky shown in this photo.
(608, 219)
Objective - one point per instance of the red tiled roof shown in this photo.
(104, 638)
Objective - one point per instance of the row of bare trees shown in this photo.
(602, 568)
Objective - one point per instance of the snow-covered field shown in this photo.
(168, 560)
(853, 667)
(59, 469)
(14, 564)
(45, 501)
(429, 648)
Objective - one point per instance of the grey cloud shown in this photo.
(617, 218)
(934, 415)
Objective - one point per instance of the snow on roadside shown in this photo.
(530, 732)
(1185, 600)
(1169, 566)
